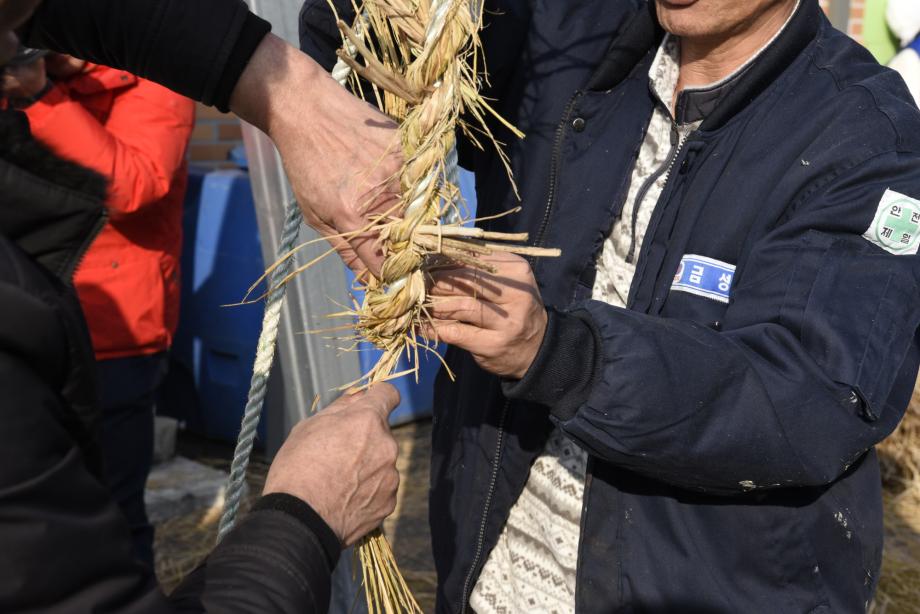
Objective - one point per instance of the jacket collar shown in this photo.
(643, 34)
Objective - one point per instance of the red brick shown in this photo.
(204, 132)
(199, 152)
(229, 132)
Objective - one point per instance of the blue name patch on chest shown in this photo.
(704, 277)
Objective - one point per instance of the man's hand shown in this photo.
(342, 462)
(342, 155)
(24, 81)
(499, 318)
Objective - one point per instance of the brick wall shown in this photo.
(857, 9)
(215, 134)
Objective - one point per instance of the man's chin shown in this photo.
(685, 17)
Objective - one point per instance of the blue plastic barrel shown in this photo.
(214, 346)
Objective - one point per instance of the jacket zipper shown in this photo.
(677, 143)
(553, 171)
(69, 269)
(584, 514)
(496, 461)
(493, 480)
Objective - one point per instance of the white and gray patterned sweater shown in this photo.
(532, 567)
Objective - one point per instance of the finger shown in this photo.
(383, 398)
(481, 314)
(512, 276)
(457, 334)
(465, 282)
(382, 199)
(368, 252)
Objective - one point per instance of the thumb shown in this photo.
(383, 398)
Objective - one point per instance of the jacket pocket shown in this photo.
(124, 305)
(860, 319)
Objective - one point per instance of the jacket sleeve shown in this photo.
(139, 149)
(66, 547)
(319, 34)
(278, 559)
(814, 362)
(198, 49)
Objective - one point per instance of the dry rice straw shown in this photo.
(420, 57)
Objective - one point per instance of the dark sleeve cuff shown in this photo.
(564, 370)
(300, 510)
(254, 30)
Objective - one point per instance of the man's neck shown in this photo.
(706, 60)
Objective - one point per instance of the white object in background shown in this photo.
(907, 62)
(903, 18)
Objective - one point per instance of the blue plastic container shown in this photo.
(214, 346)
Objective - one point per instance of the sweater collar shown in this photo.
(694, 104)
(715, 103)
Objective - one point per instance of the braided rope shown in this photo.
(265, 355)
(391, 307)
(265, 352)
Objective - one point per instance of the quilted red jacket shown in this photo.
(134, 132)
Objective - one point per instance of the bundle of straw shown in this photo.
(420, 56)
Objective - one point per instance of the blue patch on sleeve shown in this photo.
(704, 277)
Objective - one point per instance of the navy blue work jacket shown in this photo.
(730, 429)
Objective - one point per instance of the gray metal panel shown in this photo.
(306, 365)
(282, 14)
(839, 14)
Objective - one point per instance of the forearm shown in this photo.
(198, 49)
(280, 87)
(279, 558)
(278, 81)
(705, 410)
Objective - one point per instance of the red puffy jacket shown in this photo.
(134, 132)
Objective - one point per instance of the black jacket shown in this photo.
(731, 431)
(64, 547)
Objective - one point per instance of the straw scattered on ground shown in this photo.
(899, 585)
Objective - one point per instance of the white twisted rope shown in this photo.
(265, 355)
(265, 352)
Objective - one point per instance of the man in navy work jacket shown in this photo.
(688, 424)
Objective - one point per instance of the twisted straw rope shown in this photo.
(393, 303)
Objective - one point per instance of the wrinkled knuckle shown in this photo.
(392, 451)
